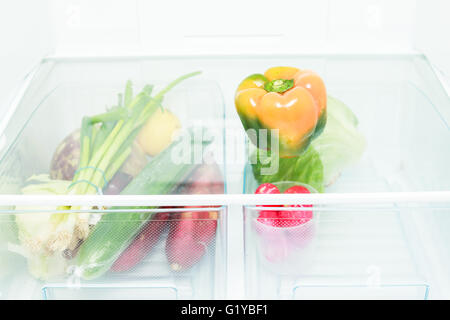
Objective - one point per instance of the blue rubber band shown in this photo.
(95, 169)
(99, 191)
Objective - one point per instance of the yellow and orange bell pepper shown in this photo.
(291, 100)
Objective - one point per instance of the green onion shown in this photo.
(106, 138)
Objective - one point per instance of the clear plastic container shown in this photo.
(366, 245)
(151, 267)
(58, 251)
(356, 253)
(285, 245)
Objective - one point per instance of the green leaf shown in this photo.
(306, 168)
(340, 144)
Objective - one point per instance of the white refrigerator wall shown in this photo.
(26, 37)
(32, 29)
(432, 31)
(234, 26)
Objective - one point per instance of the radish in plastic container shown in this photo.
(282, 231)
(302, 231)
(274, 244)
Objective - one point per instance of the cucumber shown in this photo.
(115, 230)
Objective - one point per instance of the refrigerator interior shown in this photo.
(27, 272)
(373, 61)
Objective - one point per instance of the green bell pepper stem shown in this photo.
(279, 85)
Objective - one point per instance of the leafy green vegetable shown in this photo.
(306, 169)
(340, 144)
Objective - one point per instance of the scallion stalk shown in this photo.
(103, 153)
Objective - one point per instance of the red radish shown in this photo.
(143, 243)
(283, 218)
(296, 217)
(267, 188)
(283, 230)
(267, 217)
(274, 244)
(297, 189)
(303, 232)
(189, 238)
